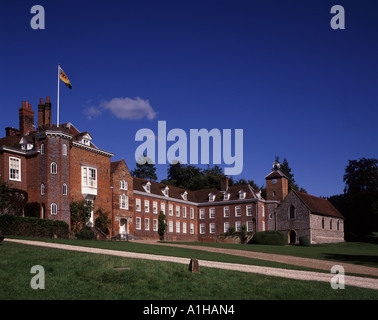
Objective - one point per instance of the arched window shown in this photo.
(43, 151)
(54, 208)
(54, 168)
(64, 150)
(65, 189)
(292, 212)
(43, 188)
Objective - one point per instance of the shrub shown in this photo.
(85, 234)
(33, 227)
(269, 237)
(304, 241)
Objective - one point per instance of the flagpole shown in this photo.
(57, 106)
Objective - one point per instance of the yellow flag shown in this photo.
(64, 78)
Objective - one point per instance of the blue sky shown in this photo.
(275, 69)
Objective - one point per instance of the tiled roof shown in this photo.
(318, 205)
(198, 196)
(275, 174)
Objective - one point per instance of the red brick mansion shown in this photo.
(58, 165)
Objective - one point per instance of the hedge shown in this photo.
(269, 237)
(33, 227)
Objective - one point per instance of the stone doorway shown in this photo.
(292, 237)
(123, 226)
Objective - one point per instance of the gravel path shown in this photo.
(369, 283)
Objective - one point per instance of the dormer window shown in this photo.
(211, 197)
(86, 142)
(185, 195)
(241, 194)
(165, 191)
(147, 187)
(226, 196)
(86, 139)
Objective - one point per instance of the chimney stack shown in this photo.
(44, 113)
(26, 118)
(224, 183)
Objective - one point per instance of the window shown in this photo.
(184, 227)
(43, 150)
(330, 224)
(184, 212)
(226, 212)
(147, 224)
(147, 187)
(238, 211)
(292, 212)
(43, 189)
(322, 223)
(192, 228)
(137, 205)
(202, 214)
(138, 224)
(249, 226)
(211, 197)
(89, 177)
(191, 213)
(146, 206)
(177, 226)
(185, 195)
(171, 209)
(241, 194)
(65, 189)
(170, 226)
(274, 193)
(177, 211)
(338, 225)
(237, 226)
(54, 208)
(64, 150)
(124, 202)
(123, 185)
(162, 207)
(154, 207)
(249, 210)
(165, 191)
(202, 228)
(14, 169)
(86, 142)
(263, 225)
(226, 226)
(212, 213)
(212, 227)
(155, 225)
(226, 196)
(54, 168)
(263, 211)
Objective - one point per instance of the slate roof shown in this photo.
(318, 205)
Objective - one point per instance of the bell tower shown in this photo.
(277, 184)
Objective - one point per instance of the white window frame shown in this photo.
(138, 223)
(212, 228)
(146, 206)
(154, 207)
(14, 164)
(170, 209)
(202, 228)
(184, 212)
(54, 209)
(123, 202)
(238, 211)
(263, 211)
(155, 225)
(123, 185)
(226, 209)
(191, 213)
(177, 211)
(248, 212)
(170, 226)
(263, 226)
(138, 206)
(147, 224)
(191, 228)
(238, 226)
(177, 226)
(89, 177)
(43, 149)
(43, 189)
(202, 214)
(54, 168)
(226, 226)
(64, 150)
(184, 227)
(249, 226)
(65, 189)
(162, 207)
(212, 213)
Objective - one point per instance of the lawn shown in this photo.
(76, 276)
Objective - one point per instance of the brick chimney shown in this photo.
(44, 113)
(224, 183)
(26, 115)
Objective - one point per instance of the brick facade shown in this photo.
(58, 165)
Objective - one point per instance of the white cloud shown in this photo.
(127, 108)
(92, 112)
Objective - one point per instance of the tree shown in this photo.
(4, 199)
(12, 201)
(103, 221)
(80, 214)
(361, 176)
(286, 170)
(145, 169)
(162, 225)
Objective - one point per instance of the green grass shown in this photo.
(74, 276)
(349, 252)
